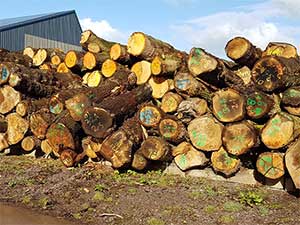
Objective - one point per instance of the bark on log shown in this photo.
(274, 72)
(91, 42)
(245, 74)
(187, 84)
(187, 157)
(270, 165)
(98, 120)
(142, 70)
(291, 96)
(39, 122)
(27, 107)
(16, 128)
(242, 51)
(205, 133)
(139, 162)
(3, 141)
(292, 162)
(228, 105)
(9, 98)
(3, 124)
(224, 163)
(239, 138)
(91, 147)
(155, 148)
(170, 102)
(282, 49)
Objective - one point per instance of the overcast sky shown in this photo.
(183, 23)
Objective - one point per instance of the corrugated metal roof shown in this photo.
(6, 24)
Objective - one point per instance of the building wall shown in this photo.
(62, 29)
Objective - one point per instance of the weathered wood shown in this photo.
(62, 68)
(294, 110)
(187, 84)
(274, 72)
(57, 57)
(170, 102)
(29, 51)
(3, 124)
(9, 98)
(39, 122)
(270, 165)
(98, 120)
(3, 141)
(142, 70)
(291, 96)
(159, 85)
(190, 108)
(46, 147)
(228, 105)
(94, 78)
(91, 42)
(149, 115)
(155, 148)
(172, 129)
(245, 74)
(6, 69)
(282, 49)
(94, 60)
(187, 157)
(40, 57)
(258, 105)
(278, 131)
(91, 147)
(139, 162)
(205, 133)
(239, 138)
(16, 58)
(27, 107)
(242, 51)
(16, 128)
(30, 143)
(292, 162)
(76, 105)
(224, 163)
(68, 157)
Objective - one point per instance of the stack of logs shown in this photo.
(145, 102)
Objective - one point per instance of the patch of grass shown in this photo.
(77, 216)
(100, 187)
(226, 219)
(276, 206)
(232, 206)
(12, 183)
(196, 194)
(44, 202)
(251, 198)
(98, 196)
(26, 199)
(210, 191)
(210, 209)
(132, 190)
(155, 221)
(263, 211)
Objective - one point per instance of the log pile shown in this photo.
(148, 102)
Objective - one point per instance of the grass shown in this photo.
(251, 198)
(155, 221)
(210, 209)
(226, 219)
(232, 206)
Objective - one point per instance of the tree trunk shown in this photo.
(282, 49)
(224, 163)
(119, 54)
(159, 85)
(239, 138)
(228, 105)
(74, 60)
(139, 162)
(205, 133)
(77, 104)
(274, 72)
(9, 98)
(291, 96)
(91, 42)
(258, 105)
(29, 51)
(3, 141)
(187, 157)
(142, 70)
(170, 102)
(172, 129)
(62, 68)
(30, 143)
(16, 128)
(98, 120)
(292, 162)
(270, 165)
(242, 51)
(27, 107)
(39, 122)
(91, 147)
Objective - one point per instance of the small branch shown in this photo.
(111, 214)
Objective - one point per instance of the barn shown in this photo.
(53, 30)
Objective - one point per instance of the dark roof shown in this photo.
(6, 24)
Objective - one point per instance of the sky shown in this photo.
(208, 24)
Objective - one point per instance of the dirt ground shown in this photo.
(95, 194)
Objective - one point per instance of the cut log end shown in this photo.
(237, 48)
(68, 157)
(160, 86)
(94, 78)
(142, 70)
(89, 60)
(139, 162)
(71, 59)
(258, 105)
(9, 98)
(270, 165)
(155, 148)
(172, 130)
(156, 65)
(85, 36)
(16, 128)
(56, 106)
(28, 143)
(281, 49)
(96, 122)
(62, 68)
(136, 43)
(170, 102)
(39, 57)
(115, 52)
(149, 116)
(55, 60)
(5, 73)
(29, 52)
(109, 67)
